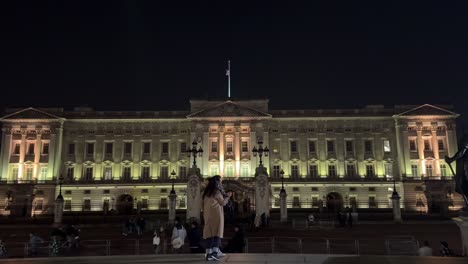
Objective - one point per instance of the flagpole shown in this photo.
(229, 78)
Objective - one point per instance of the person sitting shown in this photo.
(445, 251)
(237, 242)
(425, 250)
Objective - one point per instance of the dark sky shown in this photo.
(152, 55)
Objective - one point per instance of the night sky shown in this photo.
(149, 55)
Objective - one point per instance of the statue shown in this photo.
(461, 175)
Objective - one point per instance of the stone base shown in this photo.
(462, 222)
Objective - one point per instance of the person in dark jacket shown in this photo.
(237, 242)
(194, 238)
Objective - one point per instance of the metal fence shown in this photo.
(400, 246)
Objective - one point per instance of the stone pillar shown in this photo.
(58, 210)
(58, 150)
(37, 156)
(262, 192)
(420, 142)
(172, 206)
(396, 206)
(400, 149)
(435, 150)
(5, 153)
(194, 199)
(237, 152)
(283, 206)
(462, 222)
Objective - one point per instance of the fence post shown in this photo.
(108, 250)
(299, 240)
(137, 247)
(273, 245)
(246, 245)
(26, 250)
(356, 247)
(328, 246)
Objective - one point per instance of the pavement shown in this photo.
(245, 258)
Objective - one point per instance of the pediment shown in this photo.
(30, 113)
(427, 110)
(228, 109)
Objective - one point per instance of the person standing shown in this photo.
(194, 238)
(34, 242)
(156, 242)
(213, 213)
(3, 250)
(178, 236)
(162, 248)
(350, 220)
(237, 242)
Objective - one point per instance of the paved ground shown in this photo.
(245, 258)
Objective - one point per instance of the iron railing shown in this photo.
(293, 245)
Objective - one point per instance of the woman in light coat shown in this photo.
(214, 199)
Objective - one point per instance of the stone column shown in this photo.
(37, 156)
(221, 151)
(58, 210)
(435, 149)
(262, 192)
(396, 206)
(283, 206)
(420, 142)
(5, 151)
(400, 149)
(462, 222)
(237, 151)
(194, 199)
(58, 151)
(172, 206)
(23, 150)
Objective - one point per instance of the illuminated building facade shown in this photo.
(330, 158)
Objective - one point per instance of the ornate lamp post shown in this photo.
(173, 174)
(260, 151)
(283, 205)
(192, 152)
(60, 186)
(396, 204)
(282, 180)
(172, 199)
(58, 210)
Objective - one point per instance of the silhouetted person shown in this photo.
(237, 242)
(350, 220)
(445, 251)
(194, 238)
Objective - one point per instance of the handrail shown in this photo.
(135, 245)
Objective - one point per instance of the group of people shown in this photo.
(209, 239)
(61, 238)
(134, 225)
(426, 249)
(345, 219)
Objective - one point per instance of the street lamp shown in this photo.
(60, 187)
(194, 151)
(260, 151)
(282, 181)
(173, 174)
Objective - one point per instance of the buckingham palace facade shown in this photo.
(349, 157)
